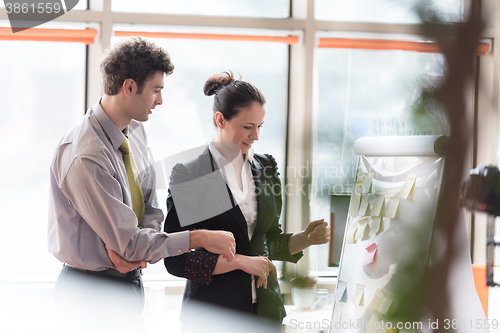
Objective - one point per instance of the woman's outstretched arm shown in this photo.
(317, 232)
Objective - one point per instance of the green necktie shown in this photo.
(133, 181)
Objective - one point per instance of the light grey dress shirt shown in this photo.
(90, 203)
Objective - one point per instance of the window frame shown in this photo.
(301, 23)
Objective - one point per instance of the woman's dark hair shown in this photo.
(231, 95)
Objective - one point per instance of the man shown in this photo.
(103, 200)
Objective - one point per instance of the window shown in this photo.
(81, 5)
(242, 8)
(355, 93)
(41, 99)
(362, 93)
(383, 11)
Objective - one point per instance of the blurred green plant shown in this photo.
(418, 291)
(303, 282)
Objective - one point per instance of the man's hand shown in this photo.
(216, 241)
(122, 265)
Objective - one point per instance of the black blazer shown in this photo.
(233, 289)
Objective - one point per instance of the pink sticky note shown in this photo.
(371, 247)
(370, 255)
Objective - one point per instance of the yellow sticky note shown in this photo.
(386, 303)
(351, 231)
(341, 292)
(371, 326)
(359, 295)
(367, 183)
(365, 203)
(377, 205)
(377, 300)
(362, 219)
(360, 176)
(355, 200)
(408, 185)
(374, 225)
(393, 207)
(362, 231)
(385, 224)
(358, 188)
(337, 312)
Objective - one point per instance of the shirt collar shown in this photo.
(250, 155)
(217, 155)
(115, 135)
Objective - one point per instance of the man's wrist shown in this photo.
(196, 238)
(238, 261)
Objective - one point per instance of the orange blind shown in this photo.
(50, 35)
(251, 38)
(482, 289)
(382, 44)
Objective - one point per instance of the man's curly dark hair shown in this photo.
(134, 58)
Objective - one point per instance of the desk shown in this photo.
(310, 321)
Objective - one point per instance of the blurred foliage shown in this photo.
(304, 282)
(427, 109)
(423, 292)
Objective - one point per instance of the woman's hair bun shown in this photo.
(217, 81)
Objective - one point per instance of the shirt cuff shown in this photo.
(200, 266)
(179, 243)
(278, 249)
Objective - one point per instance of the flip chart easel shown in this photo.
(391, 209)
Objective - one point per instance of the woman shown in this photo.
(251, 213)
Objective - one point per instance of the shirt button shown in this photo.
(179, 250)
(247, 203)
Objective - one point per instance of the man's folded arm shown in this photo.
(98, 198)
